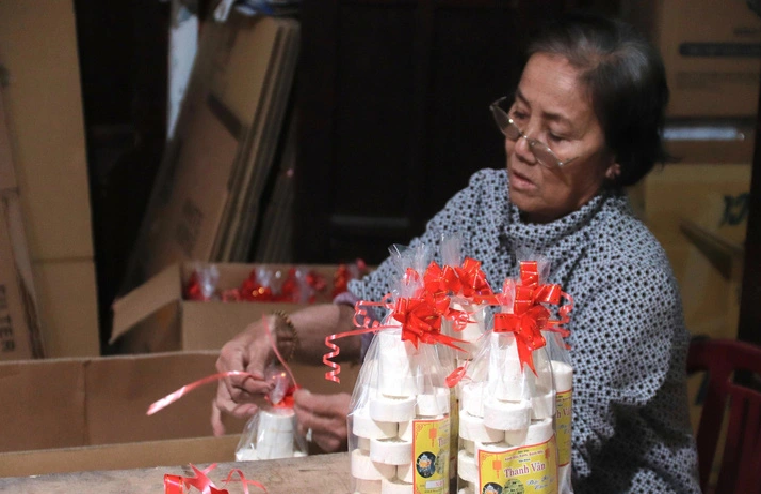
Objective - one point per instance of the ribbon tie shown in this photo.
(472, 279)
(421, 320)
(529, 317)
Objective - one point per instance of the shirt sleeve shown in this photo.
(629, 351)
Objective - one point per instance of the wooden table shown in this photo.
(323, 474)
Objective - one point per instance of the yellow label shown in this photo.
(430, 455)
(522, 470)
(563, 403)
(454, 436)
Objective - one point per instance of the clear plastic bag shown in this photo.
(202, 285)
(562, 372)
(507, 411)
(271, 432)
(399, 424)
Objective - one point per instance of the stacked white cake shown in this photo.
(274, 437)
(510, 408)
(382, 462)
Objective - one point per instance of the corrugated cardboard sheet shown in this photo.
(154, 318)
(207, 192)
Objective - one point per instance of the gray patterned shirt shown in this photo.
(631, 427)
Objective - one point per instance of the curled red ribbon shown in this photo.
(420, 319)
(175, 484)
(176, 395)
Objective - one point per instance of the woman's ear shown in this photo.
(613, 171)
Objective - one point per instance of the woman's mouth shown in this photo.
(520, 181)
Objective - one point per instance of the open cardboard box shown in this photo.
(154, 317)
(64, 415)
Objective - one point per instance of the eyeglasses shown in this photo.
(541, 151)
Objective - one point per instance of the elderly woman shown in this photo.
(583, 122)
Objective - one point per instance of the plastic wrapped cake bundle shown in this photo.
(512, 374)
(562, 370)
(271, 432)
(401, 405)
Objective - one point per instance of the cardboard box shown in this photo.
(155, 318)
(209, 185)
(698, 212)
(68, 307)
(43, 106)
(19, 330)
(7, 170)
(90, 414)
(43, 113)
(711, 49)
(19, 333)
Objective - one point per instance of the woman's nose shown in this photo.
(523, 150)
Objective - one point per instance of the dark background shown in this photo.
(392, 103)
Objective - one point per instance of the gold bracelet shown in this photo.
(291, 334)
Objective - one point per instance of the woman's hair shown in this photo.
(626, 79)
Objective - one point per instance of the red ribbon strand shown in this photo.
(176, 484)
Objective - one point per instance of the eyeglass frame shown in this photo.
(497, 112)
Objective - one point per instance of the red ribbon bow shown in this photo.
(529, 317)
(467, 281)
(472, 279)
(176, 484)
(420, 317)
(421, 320)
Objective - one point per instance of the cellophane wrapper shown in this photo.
(506, 420)
(399, 423)
(562, 372)
(269, 434)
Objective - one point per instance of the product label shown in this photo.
(563, 412)
(522, 470)
(430, 455)
(454, 433)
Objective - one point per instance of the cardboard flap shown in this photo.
(158, 292)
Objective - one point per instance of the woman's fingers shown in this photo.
(325, 415)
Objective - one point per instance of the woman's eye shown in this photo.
(519, 115)
(556, 138)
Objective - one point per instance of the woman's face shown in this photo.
(554, 107)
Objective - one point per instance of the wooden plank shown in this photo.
(324, 474)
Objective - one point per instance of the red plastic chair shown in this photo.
(740, 470)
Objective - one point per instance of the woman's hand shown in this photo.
(249, 351)
(325, 415)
